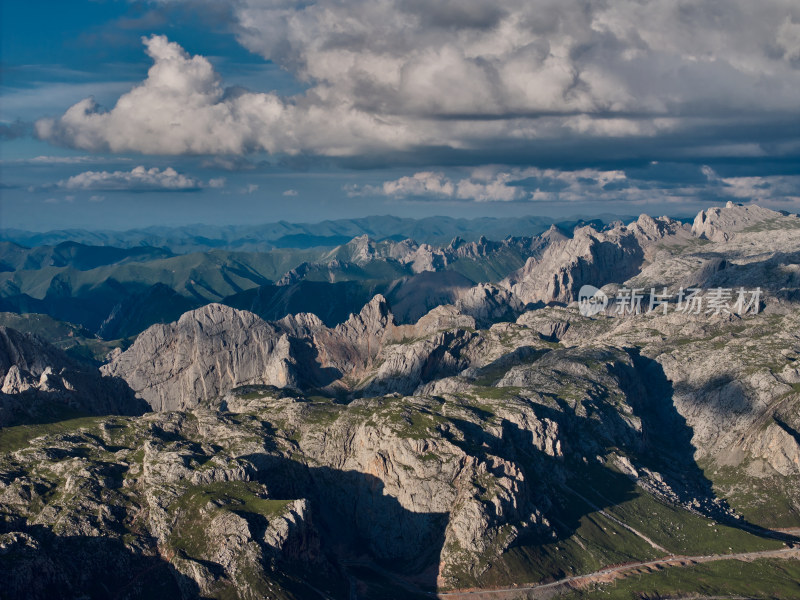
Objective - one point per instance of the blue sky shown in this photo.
(118, 114)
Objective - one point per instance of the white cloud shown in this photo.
(424, 183)
(71, 160)
(250, 188)
(764, 189)
(138, 178)
(501, 184)
(404, 74)
(181, 108)
(290, 193)
(789, 39)
(494, 184)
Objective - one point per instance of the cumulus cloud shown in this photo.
(137, 179)
(290, 193)
(765, 189)
(400, 75)
(503, 184)
(424, 183)
(494, 184)
(182, 108)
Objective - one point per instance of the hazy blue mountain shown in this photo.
(193, 238)
(14, 257)
(118, 292)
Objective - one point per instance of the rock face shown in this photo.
(205, 352)
(216, 348)
(487, 303)
(589, 257)
(650, 231)
(363, 334)
(737, 246)
(39, 381)
(592, 257)
(213, 349)
(720, 224)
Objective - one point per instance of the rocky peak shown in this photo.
(376, 314)
(39, 380)
(365, 331)
(589, 257)
(29, 353)
(720, 224)
(301, 324)
(207, 351)
(650, 229)
(362, 249)
(425, 258)
(456, 242)
(554, 234)
(650, 232)
(401, 250)
(487, 303)
(214, 318)
(294, 275)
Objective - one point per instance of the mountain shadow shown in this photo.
(39, 565)
(668, 445)
(538, 553)
(370, 536)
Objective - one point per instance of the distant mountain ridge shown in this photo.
(117, 292)
(195, 238)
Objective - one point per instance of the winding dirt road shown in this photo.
(549, 590)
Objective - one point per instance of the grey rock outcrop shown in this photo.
(589, 257)
(487, 303)
(205, 352)
(720, 224)
(41, 382)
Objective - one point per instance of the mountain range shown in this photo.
(259, 238)
(394, 419)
